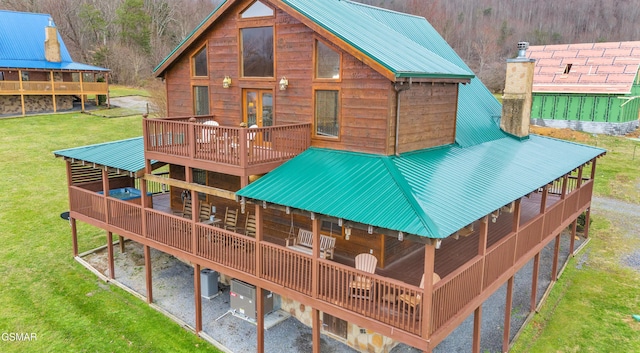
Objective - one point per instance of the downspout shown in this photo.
(399, 87)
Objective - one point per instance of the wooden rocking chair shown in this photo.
(409, 301)
(231, 220)
(360, 286)
(250, 225)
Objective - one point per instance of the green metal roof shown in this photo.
(431, 193)
(393, 50)
(127, 155)
(478, 109)
(371, 35)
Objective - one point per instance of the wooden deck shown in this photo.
(230, 150)
(468, 273)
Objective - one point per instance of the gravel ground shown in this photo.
(626, 217)
(173, 291)
(138, 103)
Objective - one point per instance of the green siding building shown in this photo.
(587, 87)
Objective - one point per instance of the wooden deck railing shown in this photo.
(58, 88)
(293, 270)
(236, 146)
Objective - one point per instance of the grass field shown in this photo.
(44, 291)
(590, 307)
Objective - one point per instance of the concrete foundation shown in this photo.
(589, 126)
(33, 104)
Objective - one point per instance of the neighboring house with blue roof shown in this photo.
(37, 74)
(367, 136)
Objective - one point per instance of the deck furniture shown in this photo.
(303, 242)
(412, 301)
(250, 225)
(361, 286)
(230, 219)
(187, 209)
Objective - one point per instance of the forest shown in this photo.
(132, 36)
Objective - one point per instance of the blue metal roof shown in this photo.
(430, 193)
(22, 37)
(127, 155)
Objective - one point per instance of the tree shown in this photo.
(134, 24)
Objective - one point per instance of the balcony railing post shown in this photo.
(191, 137)
(243, 147)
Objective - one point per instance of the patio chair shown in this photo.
(187, 209)
(231, 220)
(205, 211)
(360, 286)
(250, 225)
(412, 301)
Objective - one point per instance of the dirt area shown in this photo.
(564, 134)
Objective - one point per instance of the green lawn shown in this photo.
(122, 91)
(590, 308)
(44, 291)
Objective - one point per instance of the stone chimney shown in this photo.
(516, 101)
(51, 43)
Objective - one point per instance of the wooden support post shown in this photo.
(198, 296)
(477, 324)
(82, 90)
(517, 210)
(315, 226)
(587, 220)
(72, 221)
(259, 320)
(121, 242)
(24, 111)
(427, 297)
(74, 236)
(112, 274)
(565, 181)
(53, 92)
(148, 273)
(482, 246)
(507, 316)
(556, 254)
(106, 78)
(259, 238)
(543, 201)
(579, 181)
(572, 242)
(315, 328)
(534, 282)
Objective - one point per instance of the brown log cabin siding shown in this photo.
(427, 116)
(364, 92)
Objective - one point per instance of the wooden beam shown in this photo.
(477, 325)
(507, 316)
(259, 320)
(82, 91)
(534, 283)
(572, 241)
(74, 235)
(556, 254)
(121, 243)
(198, 296)
(192, 186)
(53, 92)
(21, 92)
(110, 255)
(427, 298)
(315, 328)
(148, 272)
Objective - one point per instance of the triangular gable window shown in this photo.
(257, 9)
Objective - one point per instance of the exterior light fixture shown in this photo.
(347, 233)
(400, 236)
(284, 83)
(438, 243)
(226, 83)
